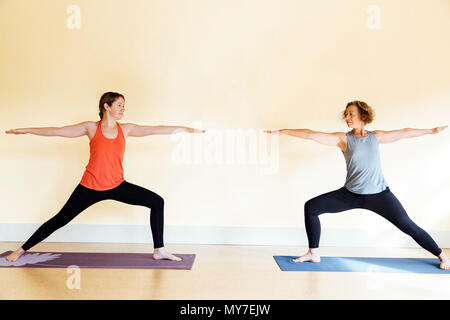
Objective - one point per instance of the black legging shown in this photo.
(83, 198)
(384, 203)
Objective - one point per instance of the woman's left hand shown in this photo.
(193, 130)
(438, 129)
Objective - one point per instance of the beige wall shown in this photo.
(227, 65)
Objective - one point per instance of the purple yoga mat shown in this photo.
(111, 260)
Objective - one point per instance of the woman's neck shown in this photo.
(361, 132)
(108, 122)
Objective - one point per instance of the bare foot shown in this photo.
(311, 255)
(445, 261)
(15, 255)
(161, 253)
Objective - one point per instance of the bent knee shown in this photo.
(161, 201)
(156, 202)
(311, 208)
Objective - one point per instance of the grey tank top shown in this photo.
(364, 175)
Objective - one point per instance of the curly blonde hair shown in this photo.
(366, 112)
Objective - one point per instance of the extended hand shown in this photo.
(193, 130)
(438, 129)
(16, 131)
(278, 131)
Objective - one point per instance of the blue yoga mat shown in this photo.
(363, 264)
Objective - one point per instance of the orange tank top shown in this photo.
(104, 170)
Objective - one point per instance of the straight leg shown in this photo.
(80, 199)
(387, 205)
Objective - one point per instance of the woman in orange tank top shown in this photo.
(103, 178)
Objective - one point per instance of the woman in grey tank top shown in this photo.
(365, 186)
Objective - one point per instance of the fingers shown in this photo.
(266, 131)
(439, 129)
(15, 131)
(272, 131)
(193, 130)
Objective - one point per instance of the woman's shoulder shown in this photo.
(342, 144)
(124, 125)
(91, 124)
(91, 127)
(342, 135)
(377, 133)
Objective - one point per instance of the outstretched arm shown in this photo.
(72, 131)
(396, 135)
(135, 130)
(334, 139)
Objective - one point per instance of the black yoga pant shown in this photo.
(83, 197)
(384, 203)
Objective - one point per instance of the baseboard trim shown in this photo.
(220, 235)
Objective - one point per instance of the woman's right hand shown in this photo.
(278, 131)
(16, 131)
(438, 129)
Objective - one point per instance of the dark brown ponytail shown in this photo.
(109, 98)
